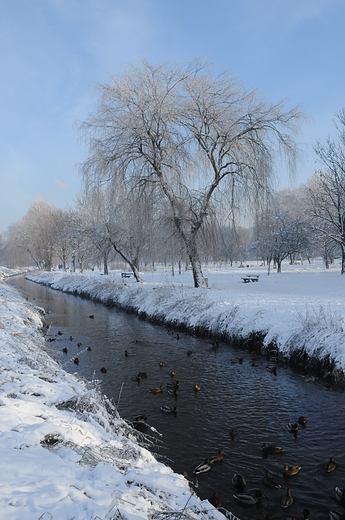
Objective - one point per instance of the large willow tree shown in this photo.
(188, 133)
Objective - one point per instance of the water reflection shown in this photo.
(232, 394)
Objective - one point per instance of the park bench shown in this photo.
(126, 275)
(251, 278)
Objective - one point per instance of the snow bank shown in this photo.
(5, 272)
(301, 311)
(65, 453)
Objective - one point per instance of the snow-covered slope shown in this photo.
(299, 310)
(64, 451)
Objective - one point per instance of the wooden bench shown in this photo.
(126, 275)
(251, 278)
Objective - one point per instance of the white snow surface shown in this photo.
(65, 453)
(302, 308)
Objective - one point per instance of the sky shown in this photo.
(53, 52)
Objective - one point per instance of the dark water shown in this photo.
(249, 398)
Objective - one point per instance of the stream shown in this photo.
(233, 394)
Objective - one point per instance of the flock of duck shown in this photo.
(249, 499)
(172, 389)
(238, 480)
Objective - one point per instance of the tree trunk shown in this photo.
(132, 263)
(279, 265)
(342, 259)
(105, 262)
(327, 261)
(193, 256)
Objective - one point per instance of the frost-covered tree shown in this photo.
(188, 133)
(325, 192)
(37, 234)
(281, 231)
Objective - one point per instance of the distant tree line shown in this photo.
(180, 171)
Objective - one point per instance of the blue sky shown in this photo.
(54, 51)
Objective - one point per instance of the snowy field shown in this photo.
(65, 453)
(300, 309)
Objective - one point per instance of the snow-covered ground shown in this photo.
(65, 453)
(301, 309)
(5, 272)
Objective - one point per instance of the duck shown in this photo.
(71, 338)
(142, 375)
(289, 471)
(136, 378)
(140, 425)
(189, 353)
(103, 370)
(169, 409)
(197, 387)
(89, 349)
(335, 515)
(91, 316)
(162, 363)
(173, 384)
(293, 428)
(140, 417)
(174, 391)
(331, 465)
(76, 361)
(64, 350)
(128, 354)
(340, 495)
(238, 480)
(173, 373)
(156, 390)
(233, 432)
(204, 467)
(272, 368)
(218, 457)
(287, 500)
(79, 344)
(271, 448)
(248, 499)
(270, 481)
(302, 421)
(215, 344)
(215, 500)
(59, 332)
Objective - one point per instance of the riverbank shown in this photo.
(65, 452)
(299, 312)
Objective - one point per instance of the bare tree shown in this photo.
(37, 234)
(325, 192)
(187, 132)
(281, 231)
